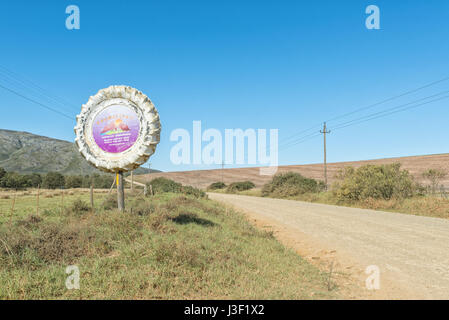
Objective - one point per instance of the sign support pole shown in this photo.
(120, 191)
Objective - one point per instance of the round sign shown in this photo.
(118, 129)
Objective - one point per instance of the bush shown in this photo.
(161, 185)
(110, 202)
(216, 186)
(240, 186)
(79, 206)
(291, 184)
(197, 193)
(375, 181)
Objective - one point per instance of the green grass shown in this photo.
(170, 247)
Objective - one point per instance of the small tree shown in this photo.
(33, 180)
(53, 180)
(434, 176)
(73, 182)
(13, 180)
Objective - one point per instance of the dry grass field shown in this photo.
(203, 178)
(170, 246)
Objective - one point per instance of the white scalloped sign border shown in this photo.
(147, 139)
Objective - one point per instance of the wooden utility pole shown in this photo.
(120, 191)
(324, 132)
(222, 172)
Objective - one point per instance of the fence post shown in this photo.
(12, 208)
(62, 201)
(132, 181)
(92, 197)
(37, 206)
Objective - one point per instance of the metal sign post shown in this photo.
(117, 131)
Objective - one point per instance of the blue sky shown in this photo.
(238, 64)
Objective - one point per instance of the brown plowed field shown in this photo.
(202, 178)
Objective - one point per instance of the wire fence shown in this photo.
(38, 201)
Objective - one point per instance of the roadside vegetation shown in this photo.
(217, 186)
(52, 180)
(378, 187)
(240, 186)
(291, 184)
(176, 244)
(163, 185)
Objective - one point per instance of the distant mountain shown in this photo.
(24, 152)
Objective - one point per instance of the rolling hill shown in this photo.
(202, 178)
(24, 152)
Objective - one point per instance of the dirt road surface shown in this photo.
(411, 252)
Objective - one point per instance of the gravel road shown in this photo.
(412, 252)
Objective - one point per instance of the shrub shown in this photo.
(192, 191)
(79, 206)
(216, 186)
(434, 176)
(161, 185)
(375, 181)
(240, 186)
(142, 208)
(291, 184)
(110, 202)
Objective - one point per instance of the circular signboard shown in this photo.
(118, 129)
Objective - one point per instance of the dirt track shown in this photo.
(412, 252)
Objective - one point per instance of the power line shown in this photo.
(389, 99)
(389, 113)
(301, 132)
(365, 108)
(36, 102)
(34, 88)
(374, 116)
(303, 139)
(394, 108)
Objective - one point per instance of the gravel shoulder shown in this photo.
(411, 252)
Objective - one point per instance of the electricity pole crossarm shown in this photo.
(324, 132)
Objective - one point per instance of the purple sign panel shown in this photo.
(116, 128)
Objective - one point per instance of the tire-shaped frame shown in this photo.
(143, 147)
